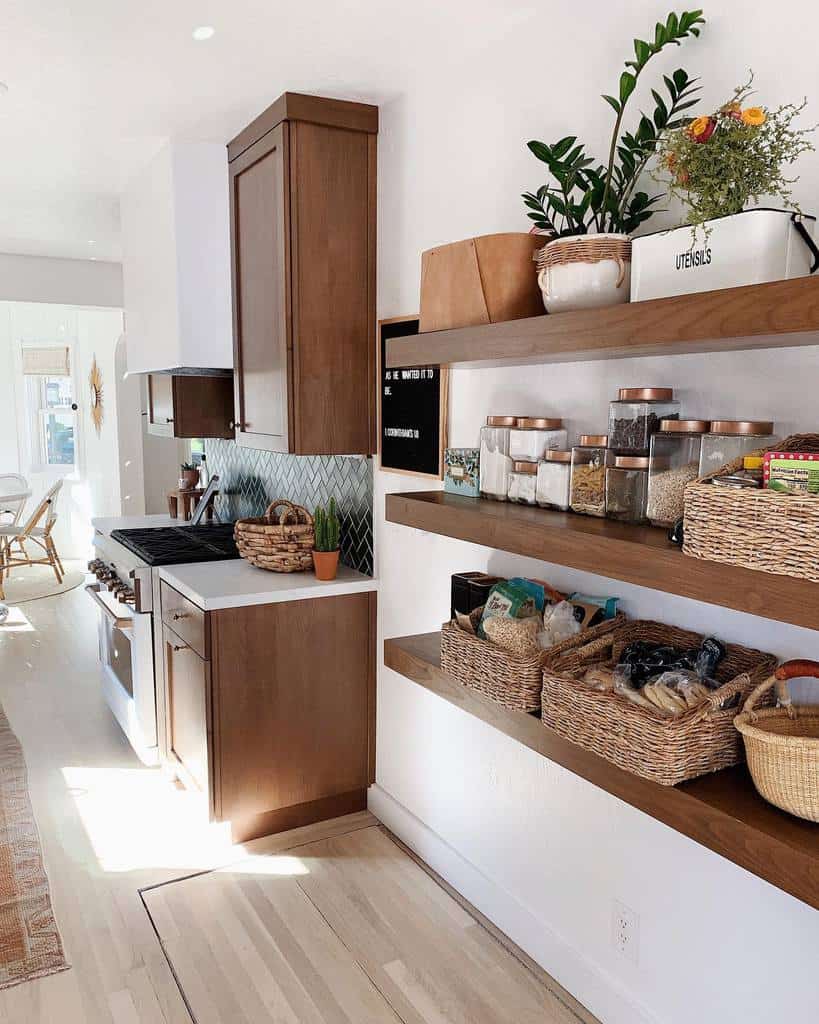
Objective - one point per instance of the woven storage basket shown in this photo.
(782, 744)
(508, 679)
(757, 529)
(281, 540)
(665, 750)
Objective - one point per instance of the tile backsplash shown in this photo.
(251, 479)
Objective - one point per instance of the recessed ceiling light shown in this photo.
(203, 32)
(92, 241)
(3, 88)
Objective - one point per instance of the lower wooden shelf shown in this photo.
(721, 811)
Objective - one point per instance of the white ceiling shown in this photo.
(95, 85)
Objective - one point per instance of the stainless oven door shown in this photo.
(126, 655)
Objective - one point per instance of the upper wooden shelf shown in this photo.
(635, 554)
(776, 315)
(721, 811)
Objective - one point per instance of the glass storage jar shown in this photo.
(587, 487)
(553, 480)
(636, 414)
(532, 436)
(523, 483)
(731, 439)
(674, 462)
(495, 464)
(627, 488)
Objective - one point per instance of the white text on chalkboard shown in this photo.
(401, 432)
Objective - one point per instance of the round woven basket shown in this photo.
(280, 541)
(782, 744)
(585, 249)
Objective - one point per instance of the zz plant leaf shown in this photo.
(585, 195)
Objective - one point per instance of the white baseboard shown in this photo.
(600, 993)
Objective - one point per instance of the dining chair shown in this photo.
(38, 529)
(14, 493)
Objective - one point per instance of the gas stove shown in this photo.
(175, 545)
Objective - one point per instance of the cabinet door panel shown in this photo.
(292, 704)
(186, 679)
(160, 404)
(260, 235)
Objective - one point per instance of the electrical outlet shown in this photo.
(625, 931)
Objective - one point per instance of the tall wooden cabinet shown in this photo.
(303, 218)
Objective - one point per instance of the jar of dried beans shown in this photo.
(674, 462)
(627, 488)
(587, 488)
(635, 416)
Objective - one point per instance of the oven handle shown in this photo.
(125, 625)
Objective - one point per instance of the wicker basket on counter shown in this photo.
(667, 750)
(280, 541)
(506, 678)
(756, 529)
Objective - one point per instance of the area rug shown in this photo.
(32, 582)
(30, 944)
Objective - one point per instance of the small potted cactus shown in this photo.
(325, 553)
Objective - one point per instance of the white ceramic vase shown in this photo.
(585, 272)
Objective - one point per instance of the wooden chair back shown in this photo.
(48, 508)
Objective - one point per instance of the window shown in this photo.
(50, 408)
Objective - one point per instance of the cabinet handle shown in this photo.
(178, 615)
(169, 419)
(180, 647)
(235, 425)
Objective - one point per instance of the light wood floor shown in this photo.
(343, 927)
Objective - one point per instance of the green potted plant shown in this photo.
(326, 550)
(719, 165)
(188, 476)
(590, 208)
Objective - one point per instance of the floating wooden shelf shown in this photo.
(776, 315)
(635, 554)
(721, 811)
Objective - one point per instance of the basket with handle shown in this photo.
(782, 743)
(757, 529)
(280, 541)
(667, 750)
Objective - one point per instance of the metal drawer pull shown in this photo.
(176, 616)
(180, 647)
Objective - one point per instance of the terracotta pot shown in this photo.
(188, 479)
(326, 564)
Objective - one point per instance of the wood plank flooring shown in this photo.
(332, 922)
(346, 929)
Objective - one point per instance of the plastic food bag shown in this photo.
(559, 623)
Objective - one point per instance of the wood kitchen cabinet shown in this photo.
(185, 405)
(270, 709)
(303, 217)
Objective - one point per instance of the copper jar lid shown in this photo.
(646, 394)
(593, 440)
(538, 423)
(557, 456)
(741, 427)
(631, 461)
(524, 467)
(684, 426)
(501, 421)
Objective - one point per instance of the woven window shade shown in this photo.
(47, 362)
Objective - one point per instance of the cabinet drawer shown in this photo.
(186, 620)
(187, 680)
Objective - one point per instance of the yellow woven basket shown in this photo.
(782, 744)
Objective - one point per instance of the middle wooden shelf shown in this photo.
(634, 554)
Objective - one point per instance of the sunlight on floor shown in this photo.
(255, 864)
(138, 818)
(16, 623)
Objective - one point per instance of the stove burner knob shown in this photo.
(126, 596)
(92, 565)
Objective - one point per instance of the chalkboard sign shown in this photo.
(412, 408)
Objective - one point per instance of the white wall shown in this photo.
(542, 852)
(72, 282)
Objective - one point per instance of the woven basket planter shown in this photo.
(757, 529)
(584, 272)
(282, 540)
(505, 678)
(665, 750)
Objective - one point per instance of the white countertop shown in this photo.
(107, 525)
(236, 583)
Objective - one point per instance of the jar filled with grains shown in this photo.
(627, 488)
(523, 483)
(587, 487)
(674, 462)
(532, 436)
(636, 414)
(731, 439)
(495, 461)
(553, 480)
